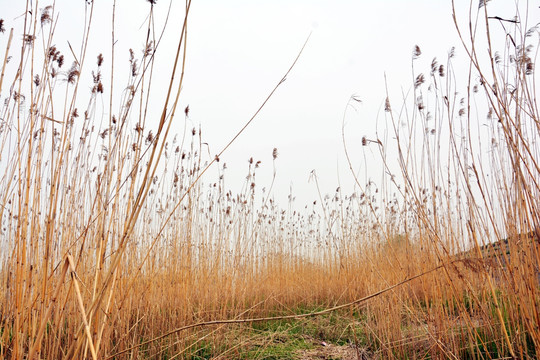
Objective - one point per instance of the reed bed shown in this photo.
(114, 238)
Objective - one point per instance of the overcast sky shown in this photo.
(238, 50)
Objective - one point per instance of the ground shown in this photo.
(325, 351)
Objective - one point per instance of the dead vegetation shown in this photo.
(115, 244)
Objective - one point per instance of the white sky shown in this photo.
(239, 49)
(252, 43)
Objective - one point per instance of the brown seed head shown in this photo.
(150, 137)
(134, 68)
(73, 73)
(416, 52)
(419, 80)
(434, 66)
(28, 39)
(53, 52)
(387, 107)
(45, 15)
(529, 68)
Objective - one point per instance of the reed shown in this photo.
(117, 244)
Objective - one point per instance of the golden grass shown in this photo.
(112, 244)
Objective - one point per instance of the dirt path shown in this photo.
(324, 351)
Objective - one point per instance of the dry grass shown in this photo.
(111, 240)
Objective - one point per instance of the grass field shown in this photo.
(117, 244)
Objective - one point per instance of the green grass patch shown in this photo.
(278, 347)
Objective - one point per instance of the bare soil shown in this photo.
(325, 351)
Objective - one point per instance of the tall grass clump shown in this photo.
(116, 244)
(466, 149)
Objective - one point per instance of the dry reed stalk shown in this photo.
(285, 317)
